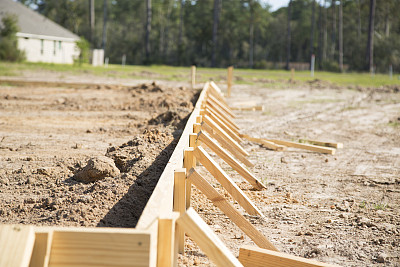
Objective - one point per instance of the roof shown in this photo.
(31, 22)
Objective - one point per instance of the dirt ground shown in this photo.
(341, 209)
(48, 134)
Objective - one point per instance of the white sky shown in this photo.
(276, 4)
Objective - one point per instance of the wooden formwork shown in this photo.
(160, 233)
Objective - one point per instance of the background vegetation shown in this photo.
(244, 33)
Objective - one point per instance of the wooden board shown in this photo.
(265, 143)
(100, 247)
(161, 200)
(251, 256)
(180, 204)
(252, 108)
(221, 105)
(207, 240)
(221, 132)
(320, 143)
(229, 185)
(325, 150)
(223, 126)
(16, 245)
(41, 249)
(225, 144)
(229, 210)
(167, 253)
(222, 116)
(205, 138)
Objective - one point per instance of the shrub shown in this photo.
(84, 54)
(9, 41)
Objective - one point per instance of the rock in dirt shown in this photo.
(97, 169)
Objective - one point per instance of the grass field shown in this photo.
(242, 76)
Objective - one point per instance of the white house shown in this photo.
(42, 39)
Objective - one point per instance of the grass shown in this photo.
(272, 78)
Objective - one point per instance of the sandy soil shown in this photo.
(48, 134)
(342, 209)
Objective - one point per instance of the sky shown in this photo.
(276, 4)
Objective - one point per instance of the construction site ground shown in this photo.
(342, 209)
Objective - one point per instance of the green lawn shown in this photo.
(242, 76)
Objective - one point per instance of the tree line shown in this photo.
(358, 35)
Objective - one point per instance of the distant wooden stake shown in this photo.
(230, 76)
(205, 138)
(188, 163)
(207, 240)
(180, 203)
(229, 210)
(251, 256)
(16, 245)
(223, 178)
(193, 74)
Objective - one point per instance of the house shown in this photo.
(42, 39)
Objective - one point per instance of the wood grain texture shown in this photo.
(227, 145)
(16, 245)
(180, 204)
(205, 138)
(206, 239)
(251, 256)
(210, 122)
(229, 185)
(41, 249)
(229, 210)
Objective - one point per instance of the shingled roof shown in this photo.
(31, 22)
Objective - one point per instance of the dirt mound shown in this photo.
(97, 168)
(140, 150)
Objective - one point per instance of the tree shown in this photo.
(312, 30)
(215, 32)
(9, 41)
(104, 37)
(91, 21)
(341, 36)
(288, 44)
(148, 30)
(370, 42)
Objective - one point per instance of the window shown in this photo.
(59, 45)
(55, 46)
(41, 46)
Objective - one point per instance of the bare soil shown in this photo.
(341, 209)
(48, 134)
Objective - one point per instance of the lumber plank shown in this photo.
(180, 204)
(229, 210)
(325, 150)
(265, 143)
(221, 106)
(320, 143)
(41, 249)
(222, 116)
(166, 246)
(251, 256)
(224, 179)
(225, 144)
(216, 91)
(252, 108)
(189, 162)
(100, 247)
(222, 102)
(222, 125)
(161, 200)
(226, 136)
(207, 240)
(205, 138)
(16, 245)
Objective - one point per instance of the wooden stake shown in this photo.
(230, 76)
(292, 78)
(225, 144)
(180, 203)
(193, 75)
(206, 239)
(224, 134)
(325, 150)
(264, 142)
(196, 128)
(320, 143)
(41, 249)
(223, 178)
(165, 244)
(229, 210)
(251, 256)
(16, 245)
(205, 138)
(199, 119)
(188, 163)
